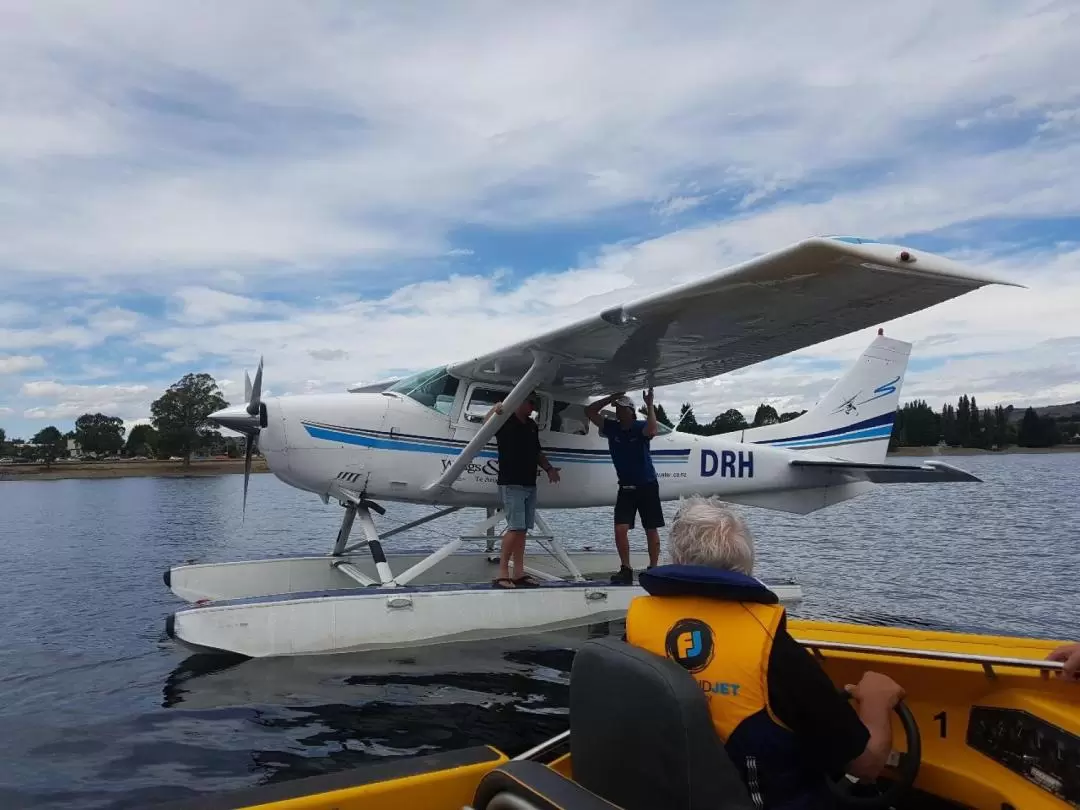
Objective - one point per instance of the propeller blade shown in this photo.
(247, 388)
(256, 391)
(249, 445)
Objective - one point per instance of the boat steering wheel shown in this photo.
(861, 794)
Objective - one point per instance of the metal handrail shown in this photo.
(988, 662)
(544, 747)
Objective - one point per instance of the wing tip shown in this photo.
(962, 475)
(902, 257)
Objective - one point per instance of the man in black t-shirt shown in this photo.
(519, 457)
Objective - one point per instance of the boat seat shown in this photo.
(641, 738)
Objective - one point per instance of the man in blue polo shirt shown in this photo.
(639, 494)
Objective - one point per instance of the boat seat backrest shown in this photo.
(641, 735)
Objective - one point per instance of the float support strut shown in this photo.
(346, 529)
(367, 525)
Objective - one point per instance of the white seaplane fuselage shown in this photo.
(390, 446)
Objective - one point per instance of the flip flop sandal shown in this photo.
(498, 583)
(526, 582)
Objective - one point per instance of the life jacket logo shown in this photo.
(690, 643)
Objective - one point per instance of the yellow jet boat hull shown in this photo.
(999, 729)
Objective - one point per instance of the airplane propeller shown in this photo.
(246, 419)
(254, 399)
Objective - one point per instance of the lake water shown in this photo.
(98, 709)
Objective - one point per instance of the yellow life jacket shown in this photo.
(724, 644)
(720, 626)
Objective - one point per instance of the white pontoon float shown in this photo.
(352, 602)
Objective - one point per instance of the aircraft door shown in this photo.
(478, 400)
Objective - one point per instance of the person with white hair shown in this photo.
(783, 722)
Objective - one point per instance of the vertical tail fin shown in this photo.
(854, 421)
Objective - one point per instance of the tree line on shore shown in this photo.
(917, 424)
(966, 425)
(180, 427)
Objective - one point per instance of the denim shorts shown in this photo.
(519, 504)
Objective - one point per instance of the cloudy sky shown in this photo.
(356, 192)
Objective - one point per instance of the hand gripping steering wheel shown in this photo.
(860, 794)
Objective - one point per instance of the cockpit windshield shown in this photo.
(434, 388)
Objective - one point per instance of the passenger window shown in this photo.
(569, 417)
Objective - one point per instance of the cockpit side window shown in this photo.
(434, 389)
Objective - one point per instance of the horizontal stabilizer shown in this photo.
(884, 473)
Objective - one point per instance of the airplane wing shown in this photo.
(809, 292)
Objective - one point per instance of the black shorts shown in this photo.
(641, 500)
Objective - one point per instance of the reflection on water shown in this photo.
(98, 709)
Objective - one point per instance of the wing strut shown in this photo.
(543, 364)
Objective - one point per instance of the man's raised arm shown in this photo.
(651, 427)
(593, 411)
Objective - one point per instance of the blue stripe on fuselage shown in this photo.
(884, 420)
(387, 444)
(857, 435)
(452, 447)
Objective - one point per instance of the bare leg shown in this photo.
(653, 536)
(518, 555)
(622, 543)
(513, 546)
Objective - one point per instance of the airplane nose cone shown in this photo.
(236, 418)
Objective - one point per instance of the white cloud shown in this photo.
(14, 312)
(114, 321)
(17, 364)
(68, 402)
(72, 336)
(206, 305)
(43, 388)
(380, 130)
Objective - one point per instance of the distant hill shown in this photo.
(1066, 411)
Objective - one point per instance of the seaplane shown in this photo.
(424, 440)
